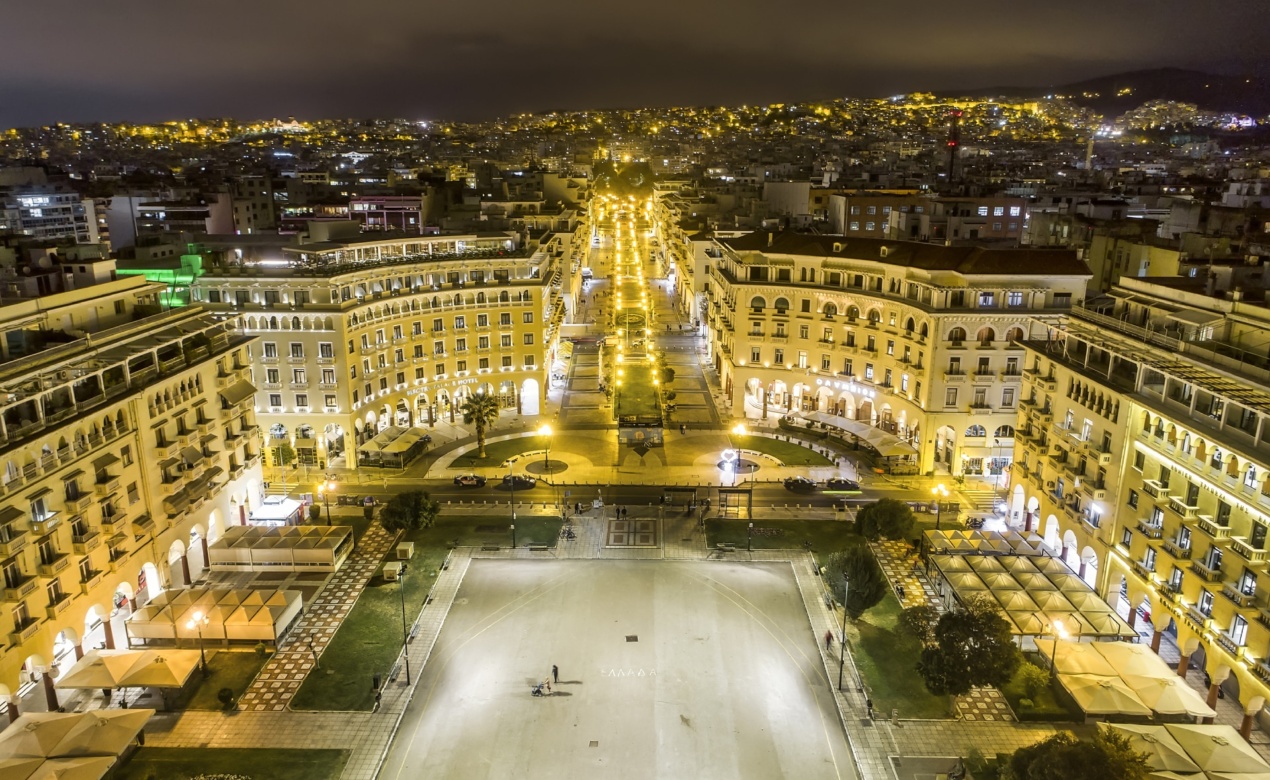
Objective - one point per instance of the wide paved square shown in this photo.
(668, 669)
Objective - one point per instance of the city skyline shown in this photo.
(453, 64)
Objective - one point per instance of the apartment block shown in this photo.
(921, 341)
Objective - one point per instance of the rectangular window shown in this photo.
(1014, 299)
(983, 211)
(802, 359)
(868, 371)
(950, 397)
(271, 349)
(297, 349)
(301, 399)
(505, 319)
(529, 361)
(507, 361)
(460, 366)
(460, 321)
(756, 355)
(825, 365)
(1015, 211)
(326, 349)
(529, 339)
(780, 356)
(482, 320)
(332, 401)
(275, 399)
(527, 317)
(298, 377)
(987, 299)
(998, 211)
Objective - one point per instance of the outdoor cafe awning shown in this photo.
(888, 445)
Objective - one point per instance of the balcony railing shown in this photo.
(1213, 529)
(1205, 573)
(1250, 553)
(1231, 591)
(1176, 550)
(55, 566)
(1150, 531)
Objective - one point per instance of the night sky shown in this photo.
(143, 60)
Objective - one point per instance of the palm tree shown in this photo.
(480, 409)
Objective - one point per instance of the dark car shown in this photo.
(470, 480)
(519, 481)
(800, 484)
(841, 485)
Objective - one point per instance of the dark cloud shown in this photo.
(146, 60)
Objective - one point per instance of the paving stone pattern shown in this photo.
(283, 674)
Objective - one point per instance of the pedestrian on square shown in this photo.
(868, 704)
(555, 673)
(828, 639)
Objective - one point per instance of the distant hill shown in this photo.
(1243, 94)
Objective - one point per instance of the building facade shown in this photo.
(357, 335)
(1142, 459)
(919, 340)
(123, 452)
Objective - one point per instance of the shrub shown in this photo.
(261, 649)
(226, 697)
(1026, 704)
(1033, 679)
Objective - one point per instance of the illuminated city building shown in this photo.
(1141, 459)
(126, 445)
(359, 334)
(920, 341)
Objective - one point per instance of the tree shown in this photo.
(973, 646)
(867, 582)
(283, 454)
(409, 511)
(887, 518)
(667, 375)
(919, 622)
(480, 410)
(1033, 679)
(315, 513)
(1109, 756)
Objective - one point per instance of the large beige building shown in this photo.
(360, 334)
(921, 341)
(127, 442)
(1142, 459)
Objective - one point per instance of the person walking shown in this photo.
(555, 673)
(828, 640)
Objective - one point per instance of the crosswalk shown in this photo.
(980, 500)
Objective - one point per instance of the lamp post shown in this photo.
(940, 492)
(197, 621)
(405, 635)
(511, 480)
(842, 638)
(324, 490)
(545, 431)
(749, 539)
(1057, 631)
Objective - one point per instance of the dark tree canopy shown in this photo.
(886, 518)
(973, 646)
(1063, 757)
(867, 581)
(409, 511)
(919, 622)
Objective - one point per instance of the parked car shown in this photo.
(800, 484)
(842, 485)
(519, 481)
(470, 480)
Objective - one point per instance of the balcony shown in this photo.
(1198, 616)
(1150, 531)
(55, 566)
(166, 449)
(1182, 508)
(21, 589)
(1229, 644)
(91, 581)
(1205, 573)
(24, 632)
(58, 607)
(86, 542)
(1094, 488)
(12, 540)
(1249, 553)
(1159, 493)
(77, 503)
(108, 484)
(45, 524)
(1141, 569)
(1242, 600)
(1176, 550)
(1213, 529)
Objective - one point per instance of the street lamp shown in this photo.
(197, 621)
(324, 490)
(749, 540)
(511, 480)
(545, 431)
(940, 492)
(405, 635)
(1058, 632)
(842, 638)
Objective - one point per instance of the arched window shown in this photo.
(957, 335)
(853, 313)
(924, 330)
(986, 336)
(757, 303)
(782, 305)
(831, 311)
(976, 430)
(909, 325)
(1004, 432)
(875, 316)
(1014, 334)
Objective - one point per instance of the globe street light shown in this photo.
(545, 431)
(197, 621)
(324, 490)
(842, 650)
(940, 492)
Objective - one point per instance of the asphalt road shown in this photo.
(667, 670)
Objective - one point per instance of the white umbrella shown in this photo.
(1075, 658)
(1097, 695)
(1169, 695)
(19, 768)
(1163, 752)
(82, 768)
(1217, 748)
(102, 733)
(35, 734)
(161, 669)
(99, 669)
(1130, 658)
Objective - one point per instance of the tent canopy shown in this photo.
(1098, 695)
(888, 445)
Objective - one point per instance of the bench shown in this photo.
(725, 547)
(538, 548)
(490, 548)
